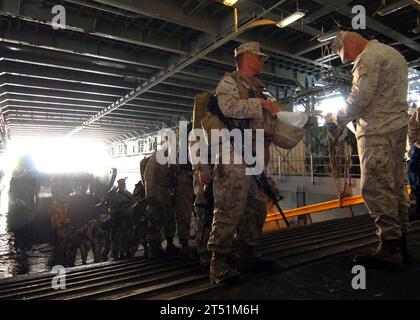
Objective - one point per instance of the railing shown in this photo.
(314, 208)
(315, 166)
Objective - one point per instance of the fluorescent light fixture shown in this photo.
(328, 36)
(396, 6)
(290, 19)
(229, 2)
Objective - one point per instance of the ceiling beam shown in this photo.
(70, 85)
(88, 97)
(96, 50)
(377, 26)
(246, 13)
(206, 45)
(158, 9)
(138, 109)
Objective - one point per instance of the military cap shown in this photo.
(122, 180)
(252, 47)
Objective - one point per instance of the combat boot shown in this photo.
(145, 250)
(186, 250)
(205, 258)
(156, 250)
(220, 271)
(405, 251)
(171, 249)
(386, 257)
(251, 261)
(115, 255)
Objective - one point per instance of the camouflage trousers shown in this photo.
(184, 204)
(162, 219)
(239, 206)
(202, 231)
(122, 233)
(382, 181)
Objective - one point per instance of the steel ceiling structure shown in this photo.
(129, 67)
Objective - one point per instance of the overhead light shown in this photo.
(229, 2)
(290, 19)
(396, 6)
(328, 36)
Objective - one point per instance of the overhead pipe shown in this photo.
(396, 6)
(178, 66)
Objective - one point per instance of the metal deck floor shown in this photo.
(294, 248)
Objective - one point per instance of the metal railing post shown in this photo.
(279, 168)
(312, 169)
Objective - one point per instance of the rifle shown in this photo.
(208, 215)
(261, 179)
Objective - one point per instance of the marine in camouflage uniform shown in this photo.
(143, 164)
(239, 97)
(378, 101)
(97, 238)
(120, 200)
(159, 195)
(61, 227)
(139, 218)
(184, 201)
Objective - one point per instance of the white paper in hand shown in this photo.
(351, 127)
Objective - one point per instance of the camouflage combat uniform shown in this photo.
(414, 129)
(184, 201)
(143, 164)
(97, 239)
(202, 220)
(122, 230)
(139, 219)
(233, 190)
(378, 101)
(60, 224)
(159, 193)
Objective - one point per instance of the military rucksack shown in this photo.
(202, 118)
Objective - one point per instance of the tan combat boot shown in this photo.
(220, 271)
(386, 257)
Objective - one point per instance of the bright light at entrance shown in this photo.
(58, 155)
(331, 105)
